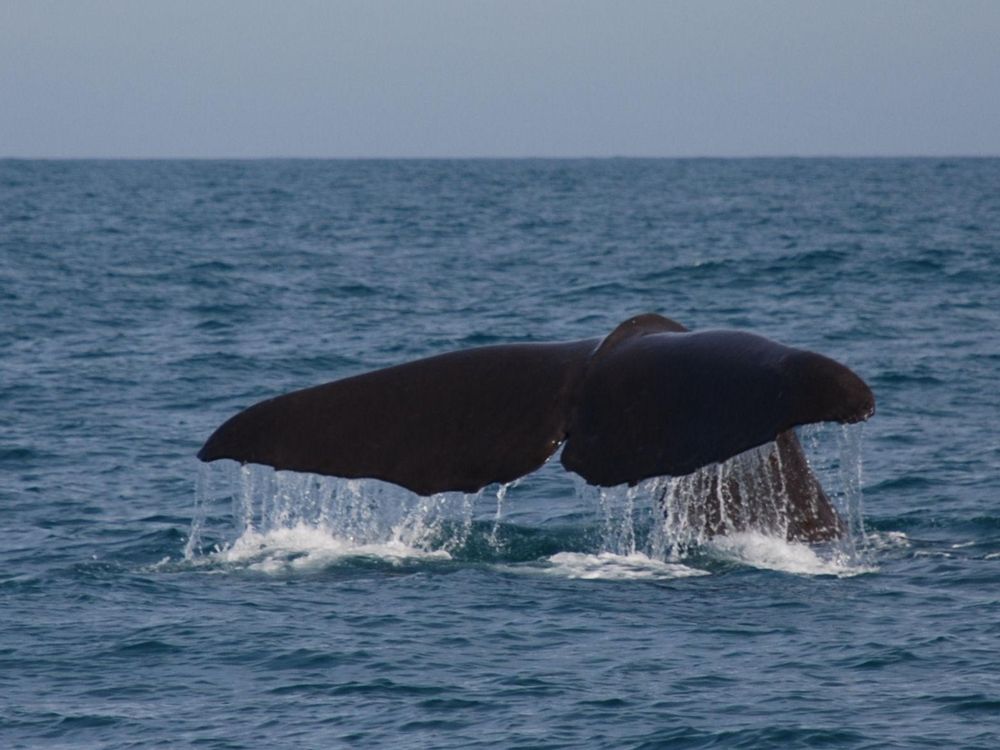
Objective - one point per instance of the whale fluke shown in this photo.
(649, 399)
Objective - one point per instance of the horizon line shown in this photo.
(618, 157)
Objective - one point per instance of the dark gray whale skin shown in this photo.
(650, 399)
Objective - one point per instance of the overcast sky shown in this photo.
(240, 78)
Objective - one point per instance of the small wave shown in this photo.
(608, 566)
(771, 553)
(879, 541)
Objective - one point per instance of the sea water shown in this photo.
(148, 600)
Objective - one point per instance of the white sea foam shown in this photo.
(772, 553)
(609, 566)
(306, 547)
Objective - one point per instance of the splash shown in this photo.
(739, 510)
(290, 520)
(734, 512)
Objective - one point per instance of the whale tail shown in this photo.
(650, 399)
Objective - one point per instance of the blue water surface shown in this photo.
(148, 602)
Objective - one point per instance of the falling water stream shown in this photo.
(280, 519)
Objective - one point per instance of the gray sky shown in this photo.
(242, 78)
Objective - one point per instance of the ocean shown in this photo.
(148, 600)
